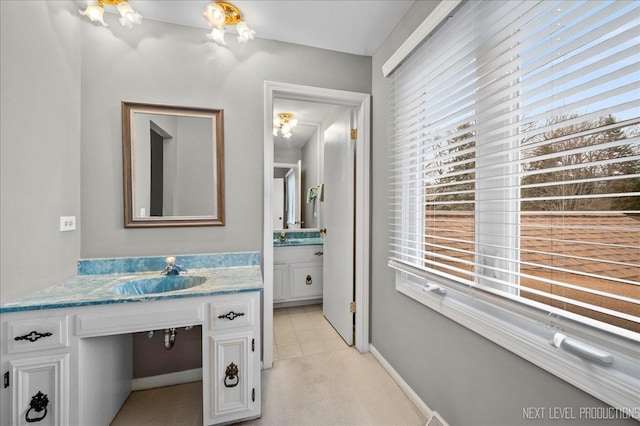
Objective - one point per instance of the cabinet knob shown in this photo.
(33, 336)
(309, 280)
(231, 374)
(231, 315)
(38, 403)
(323, 230)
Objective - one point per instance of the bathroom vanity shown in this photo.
(66, 351)
(297, 268)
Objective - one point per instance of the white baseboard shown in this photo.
(170, 379)
(413, 397)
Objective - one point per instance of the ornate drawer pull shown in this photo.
(38, 403)
(231, 315)
(318, 253)
(231, 374)
(309, 280)
(33, 336)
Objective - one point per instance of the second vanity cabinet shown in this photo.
(297, 273)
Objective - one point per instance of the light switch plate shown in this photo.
(67, 223)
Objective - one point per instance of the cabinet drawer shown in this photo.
(37, 334)
(297, 254)
(233, 311)
(306, 280)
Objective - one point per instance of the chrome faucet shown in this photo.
(172, 268)
(282, 236)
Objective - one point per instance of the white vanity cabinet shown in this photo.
(72, 365)
(35, 369)
(297, 273)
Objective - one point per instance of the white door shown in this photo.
(339, 198)
(278, 203)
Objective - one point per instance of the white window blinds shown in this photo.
(515, 157)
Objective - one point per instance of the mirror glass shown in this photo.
(287, 204)
(298, 164)
(173, 165)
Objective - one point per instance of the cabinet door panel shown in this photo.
(40, 377)
(280, 283)
(233, 382)
(306, 280)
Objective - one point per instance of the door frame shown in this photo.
(361, 101)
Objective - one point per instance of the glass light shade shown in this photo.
(217, 35)
(95, 13)
(287, 135)
(244, 32)
(128, 15)
(275, 131)
(214, 14)
(286, 128)
(293, 122)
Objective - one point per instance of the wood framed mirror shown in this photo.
(173, 165)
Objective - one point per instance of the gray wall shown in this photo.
(177, 65)
(463, 376)
(39, 144)
(287, 155)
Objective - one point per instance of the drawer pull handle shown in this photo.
(318, 253)
(38, 403)
(231, 374)
(33, 336)
(309, 280)
(231, 315)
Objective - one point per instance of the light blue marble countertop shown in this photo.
(224, 273)
(298, 238)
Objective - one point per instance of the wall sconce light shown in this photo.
(222, 13)
(285, 122)
(128, 16)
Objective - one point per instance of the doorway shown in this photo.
(360, 103)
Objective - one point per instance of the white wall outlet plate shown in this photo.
(67, 223)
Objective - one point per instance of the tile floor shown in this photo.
(316, 380)
(302, 331)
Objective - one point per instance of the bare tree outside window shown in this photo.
(574, 228)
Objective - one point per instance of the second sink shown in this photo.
(158, 284)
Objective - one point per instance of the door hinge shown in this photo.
(352, 307)
(6, 379)
(354, 134)
(253, 394)
(253, 345)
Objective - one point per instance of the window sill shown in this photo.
(517, 329)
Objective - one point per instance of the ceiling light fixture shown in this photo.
(128, 16)
(285, 122)
(221, 13)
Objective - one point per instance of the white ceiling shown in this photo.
(352, 26)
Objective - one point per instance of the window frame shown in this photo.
(525, 329)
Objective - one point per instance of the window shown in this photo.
(515, 185)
